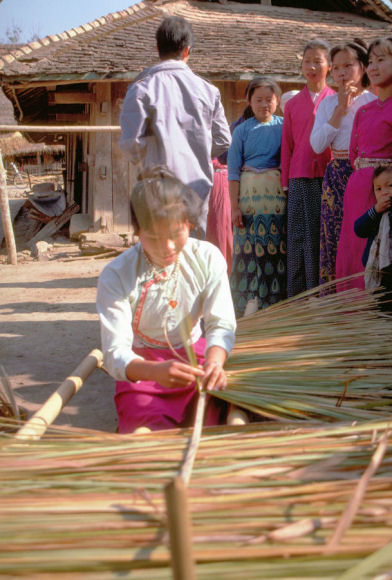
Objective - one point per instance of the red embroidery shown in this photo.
(138, 315)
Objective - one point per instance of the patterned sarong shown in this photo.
(259, 248)
(334, 184)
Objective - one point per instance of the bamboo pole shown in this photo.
(6, 216)
(179, 524)
(353, 505)
(186, 469)
(40, 421)
(61, 128)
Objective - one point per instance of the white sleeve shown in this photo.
(323, 134)
(116, 324)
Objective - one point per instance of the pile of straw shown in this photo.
(314, 357)
(265, 503)
(298, 499)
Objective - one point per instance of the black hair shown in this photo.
(318, 43)
(358, 48)
(379, 169)
(247, 113)
(172, 36)
(159, 195)
(385, 42)
(262, 82)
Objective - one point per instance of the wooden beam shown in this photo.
(70, 117)
(70, 98)
(55, 224)
(61, 128)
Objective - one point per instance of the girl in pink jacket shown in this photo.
(303, 171)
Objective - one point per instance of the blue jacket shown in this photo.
(367, 226)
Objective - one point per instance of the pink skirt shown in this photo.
(358, 198)
(149, 404)
(219, 226)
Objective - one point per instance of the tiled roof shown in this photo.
(232, 41)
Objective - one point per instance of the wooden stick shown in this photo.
(55, 224)
(186, 469)
(6, 216)
(40, 421)
(61, 128)
(353, 505)
(179, 524)
(94, 256)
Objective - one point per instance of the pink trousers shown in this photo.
(149, 404)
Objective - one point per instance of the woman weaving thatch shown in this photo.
(144, 297)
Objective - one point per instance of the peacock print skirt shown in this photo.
(259, 247)
(334, 184)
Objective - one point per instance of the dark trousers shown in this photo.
(303, 234)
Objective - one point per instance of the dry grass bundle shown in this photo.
(314, 357)
(8, 406)
(264, 502)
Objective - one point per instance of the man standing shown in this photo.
(173, 117)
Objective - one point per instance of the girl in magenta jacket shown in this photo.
(370, 146)
(303, 171)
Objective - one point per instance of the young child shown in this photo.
(258, 204)
(332, 128)
(375, 225)
(303, 171)
(370, 145)
(143, 297)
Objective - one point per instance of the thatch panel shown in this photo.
(6, 111)
(12, 144)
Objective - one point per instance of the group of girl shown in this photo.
(311, 169)
(152, 297)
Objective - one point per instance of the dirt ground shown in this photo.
(48, 325)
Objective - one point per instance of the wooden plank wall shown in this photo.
(234, 100)
(123, 172)
(111, 177)
(100, 161)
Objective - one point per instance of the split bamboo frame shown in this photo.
(40, 421)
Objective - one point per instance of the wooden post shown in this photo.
(6, 216)
(45, 416)
(179, 524)
(102, 170)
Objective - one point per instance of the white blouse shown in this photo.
(132, 305)
(323, 135)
